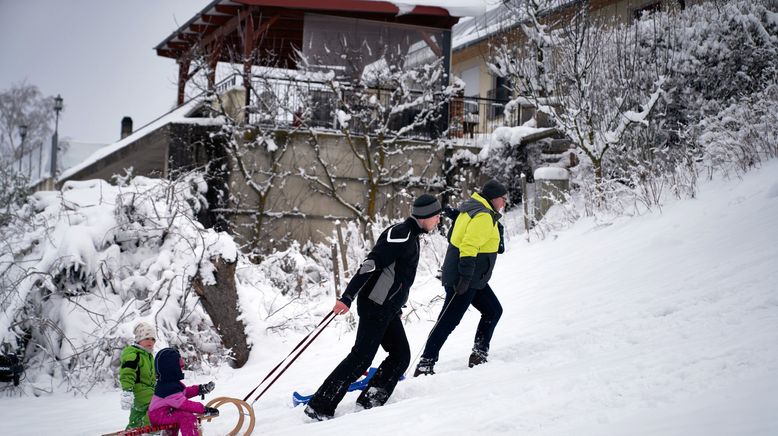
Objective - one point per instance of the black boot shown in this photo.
(316, 416)
(477, 357)
(372, 397)
(426, 367)
(211, 412)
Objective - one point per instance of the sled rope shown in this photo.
(315, 332)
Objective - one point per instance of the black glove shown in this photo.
(450, 212)
(206, 388)
(501, 247)
(462, 286)
(211, 411)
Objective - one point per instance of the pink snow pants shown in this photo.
(187, 421)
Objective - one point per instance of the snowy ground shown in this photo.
(664, 324)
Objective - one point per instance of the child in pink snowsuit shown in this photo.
(170, 404)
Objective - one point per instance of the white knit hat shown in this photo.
(143, 331)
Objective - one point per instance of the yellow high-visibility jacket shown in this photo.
(473, 244)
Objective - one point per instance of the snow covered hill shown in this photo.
(662, 324)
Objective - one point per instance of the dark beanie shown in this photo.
(425, 206)
(493, 189)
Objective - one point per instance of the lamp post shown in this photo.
(55, 138)
(22, 134)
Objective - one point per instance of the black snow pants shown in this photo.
(483, 300)
(378, 325)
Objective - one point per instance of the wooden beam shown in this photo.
(213, 59)
(431, 43)
(262, 29)
(225, 9)
(224, 30)
(215, 19)
(183, 76)
(179, 45)
(202, 28)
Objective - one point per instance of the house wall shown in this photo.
(296, 211)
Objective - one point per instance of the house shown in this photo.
(486, 94)
(300, 87)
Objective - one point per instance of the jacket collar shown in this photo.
(476, 196)
(413, 224)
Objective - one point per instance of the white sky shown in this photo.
(98, 55)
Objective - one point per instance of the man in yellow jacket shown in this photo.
(474, 243)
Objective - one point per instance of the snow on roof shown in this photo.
(455, 8)
(481, 26)
(502, 17)
(178, 115)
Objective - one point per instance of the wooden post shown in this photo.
(524, 202)
(342, 247)
(248, 60)
(183, 77)
(335, 272)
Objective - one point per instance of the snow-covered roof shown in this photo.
(455, 8)
(178, 115)
(502, 17)
(283, 29)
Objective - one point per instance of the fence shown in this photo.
(281, 102)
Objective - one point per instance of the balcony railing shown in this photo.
(281, 102)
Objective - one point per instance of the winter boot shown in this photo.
(426, 367)
(477, 357)
(211, 412)
(314, 415)
(372, 397)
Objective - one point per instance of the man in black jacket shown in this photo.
(381, 287)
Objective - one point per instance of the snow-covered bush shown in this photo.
(13, 191)
(743, 134)
(82, 265)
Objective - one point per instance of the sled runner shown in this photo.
(145, 430)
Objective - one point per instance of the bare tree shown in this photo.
(583, 74)
(377, 115)
(24, 104)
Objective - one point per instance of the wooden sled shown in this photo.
(145, 430)
(243, 410)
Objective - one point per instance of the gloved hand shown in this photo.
(501, 247)
(211, 411)
(462, 286)
(206, 388)
(127, 399)
(450, 212)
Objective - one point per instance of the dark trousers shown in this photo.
(483, 300)
(378, 325)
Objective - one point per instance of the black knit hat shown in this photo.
(493, 189)
(425, 206)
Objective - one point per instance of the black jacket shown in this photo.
(386, 275)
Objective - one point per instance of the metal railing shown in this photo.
(286, 103)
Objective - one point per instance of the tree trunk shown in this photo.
(220, 301)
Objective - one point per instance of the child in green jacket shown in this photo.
(136, 375)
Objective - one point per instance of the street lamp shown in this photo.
(22, 134)
(55, 138)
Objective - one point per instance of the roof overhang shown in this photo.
(283, 22)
